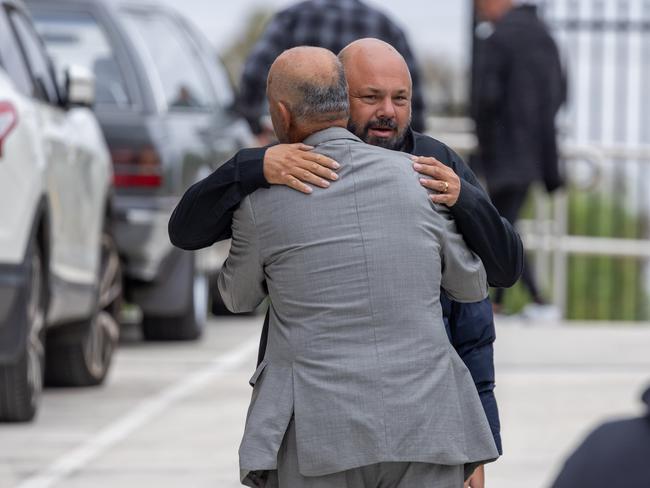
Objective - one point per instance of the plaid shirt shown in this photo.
(331, 24)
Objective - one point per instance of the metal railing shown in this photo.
(547, 233)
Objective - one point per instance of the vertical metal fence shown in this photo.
(606, 49)
(592, 241)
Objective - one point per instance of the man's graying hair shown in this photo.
(321, 102)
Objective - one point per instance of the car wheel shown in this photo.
(80, 354)
(23, 381)
(186, 327)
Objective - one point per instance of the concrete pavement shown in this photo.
(556, 383)
(171, 414)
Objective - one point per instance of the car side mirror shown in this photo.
(80, 86)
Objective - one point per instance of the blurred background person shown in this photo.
(615, 454)
(331, 24)
(517, 90)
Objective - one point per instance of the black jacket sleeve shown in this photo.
(485, 231)
(204, 214)
(488, 234)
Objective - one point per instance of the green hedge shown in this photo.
(599, 288)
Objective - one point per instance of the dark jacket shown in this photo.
(518, 87)
(488, 234)
(204, 216)
(615, 455)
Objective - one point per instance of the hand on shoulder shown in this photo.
(296, 166)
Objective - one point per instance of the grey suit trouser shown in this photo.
(381, 475)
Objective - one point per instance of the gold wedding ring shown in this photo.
(446, 188)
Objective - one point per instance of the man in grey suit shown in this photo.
(359, 386)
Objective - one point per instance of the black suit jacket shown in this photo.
(518, 87)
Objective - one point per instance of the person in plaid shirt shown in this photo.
(332, 24)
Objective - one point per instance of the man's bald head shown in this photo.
(380, 90)
(371, 53)
(307, 91)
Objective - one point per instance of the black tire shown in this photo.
(22, 382)
(188, 326)
(80, 354)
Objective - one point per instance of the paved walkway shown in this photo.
(555, 383)
(171, 415)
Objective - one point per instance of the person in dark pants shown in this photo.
(517, 90)
(331, 24)
(380, 112)
(616, 454)
(508, 202)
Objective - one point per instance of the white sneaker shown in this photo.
(542, 313)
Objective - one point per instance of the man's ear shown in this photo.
(285, 117)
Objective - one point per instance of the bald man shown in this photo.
(204, 214)
(330, 24)
(359, 386)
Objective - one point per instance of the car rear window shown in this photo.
(178, 72)
(77, 39)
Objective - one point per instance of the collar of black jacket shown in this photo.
(423, 145)
(409, 141)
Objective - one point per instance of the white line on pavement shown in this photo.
(119, 430)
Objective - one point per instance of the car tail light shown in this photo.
(8, 120)
(136, 168)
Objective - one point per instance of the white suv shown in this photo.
(60, 279)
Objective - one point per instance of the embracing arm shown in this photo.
(485, 231)
(204, 214)
(491, 236)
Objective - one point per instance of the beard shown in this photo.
(395, 142)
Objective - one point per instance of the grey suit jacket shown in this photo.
(357, 349)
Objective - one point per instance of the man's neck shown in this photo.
(301, 133)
